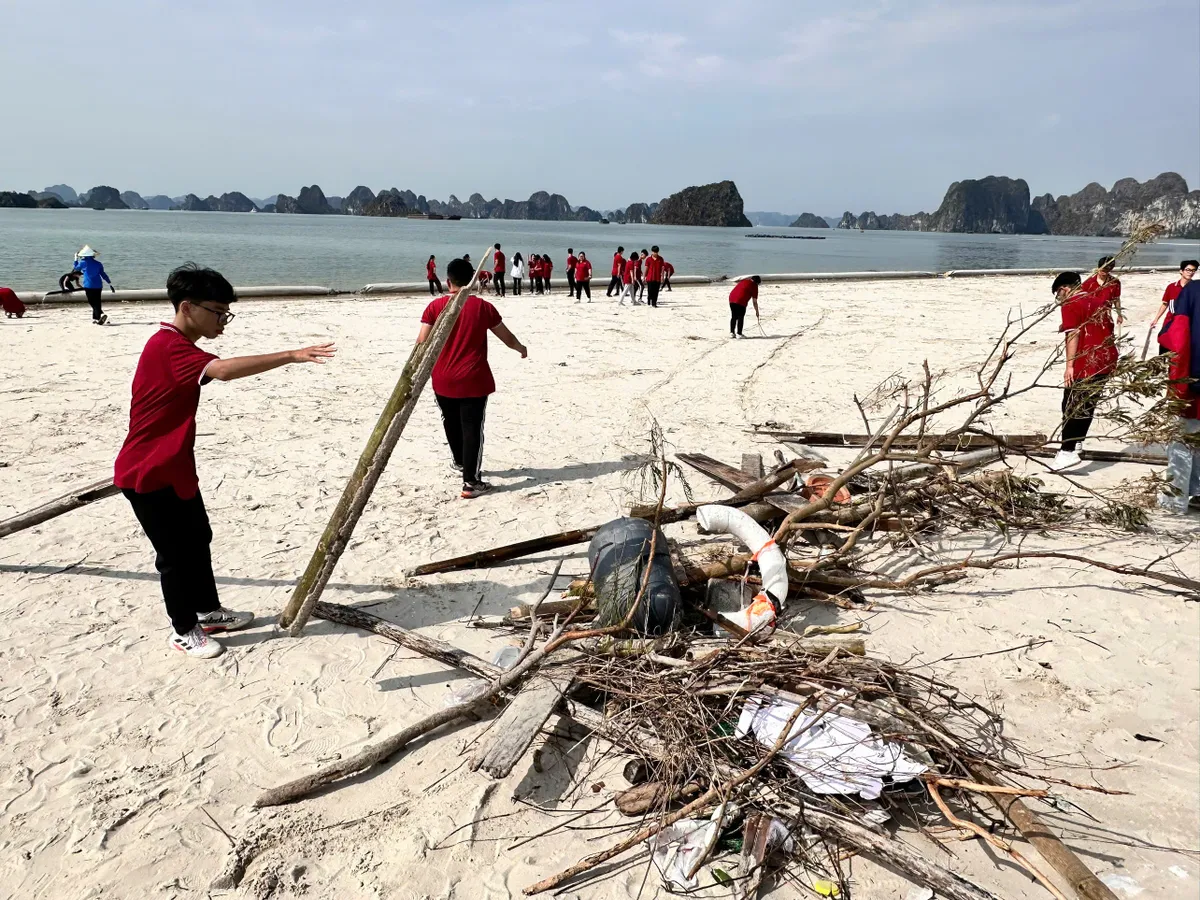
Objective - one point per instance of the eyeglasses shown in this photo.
(223, 318)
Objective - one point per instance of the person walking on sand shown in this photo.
(618, 273)
(1181, 339)
(744, 292)
(93, 276)
(571, 261)
(583, 277)
(462, 378)
(1187, 271)
(641, 278)
(668, 270)
(498, 269)
(629, 278)
(1091, 357)
(654, 270)
(156, 468)
(518, 273)
(547, 268)
(432, 275)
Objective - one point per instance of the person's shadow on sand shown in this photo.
(570, 472)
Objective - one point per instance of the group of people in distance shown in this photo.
(643, 275)
(1087, 309)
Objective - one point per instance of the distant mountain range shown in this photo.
(991, 205)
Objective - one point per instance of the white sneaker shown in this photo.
(222, 619)
(196, 644)
(741, 337)
(1066, 459)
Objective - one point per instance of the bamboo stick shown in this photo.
(54, 508)
(371, 463)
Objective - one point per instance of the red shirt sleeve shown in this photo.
(489, 315)
(1072, 312)
(430, 315)
(187, 362)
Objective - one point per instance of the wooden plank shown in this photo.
(521, 722)
(907, 442)
(735, 479)
(752, 464)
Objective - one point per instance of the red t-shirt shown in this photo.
(484, 277)
(159, 451)
(583, 270)
(743, 292)
(654, 268)
(1173, 290)
(1111, 292)
(1090, 314)
(668, 269)
(630, 270)
(462, 369)
(618, 264)
(498, 259)
(431, 270)
(572, 260)
(547, 266)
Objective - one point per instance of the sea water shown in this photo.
(139, 247)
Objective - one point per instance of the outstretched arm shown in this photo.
(245, 366)
(510, 340)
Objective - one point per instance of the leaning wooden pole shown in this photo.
(81, 497)
(372, 462)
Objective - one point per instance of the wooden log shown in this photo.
(909, 442)
(1064, 860)
(371, 463)
(54, 508)
(550, 608)
(521, 722)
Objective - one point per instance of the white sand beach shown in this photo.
(121, 763)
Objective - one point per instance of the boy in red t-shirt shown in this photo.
(618, 273)
(668, 271)
(1091, 354)
(629, 277)
(1187, 270)
(654, 273)
(462, 378)
(571, 261)
(498, 271)
(156, 468)
(745, 291)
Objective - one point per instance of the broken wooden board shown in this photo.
(521, 722)
(735, 479)
(907, 442)
(752, 464)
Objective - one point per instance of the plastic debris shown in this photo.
(831, 753)
(826, 888)
(921, 893)
(677, 849)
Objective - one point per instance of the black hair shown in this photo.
(1189, 262)
(198, 285)
(644, 251)
(1065, 279)
(1106, 262)
(459, 272)
(517, 257)
(620, 249)
(583, 253)
(633, 255)
(497, 247)
(757, 279)
(431, 256)
(467, 257)
(654, 249)
(570, 249)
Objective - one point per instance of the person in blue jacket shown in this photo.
(88, 264)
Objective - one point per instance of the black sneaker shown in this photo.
(472, 489)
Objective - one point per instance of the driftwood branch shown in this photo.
(54, 508)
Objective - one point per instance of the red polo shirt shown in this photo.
(1089, 314)
(618, 265)
(159, 450)
(462, 368)
(743, 292)
(571, 262)
(430, 270)
(583, 270)
(547, 266)
(668, 269)
(1173, 290)
(630, 272)
(654, 268)
(498, 259)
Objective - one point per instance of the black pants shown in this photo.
(516, 286)
(666, 282)
(616, 285)
(498, 283)
(93, 297)
(180, 534)
(652, 287)
(545, 285)
(1078, 408)
(570, 282)
(462, 417)
(581, 286)
(435, 285)
(737, 316)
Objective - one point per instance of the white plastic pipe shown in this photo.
(718, 519)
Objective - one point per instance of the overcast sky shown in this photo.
(808, 106)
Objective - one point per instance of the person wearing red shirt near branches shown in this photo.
(618, 273)
(745, 291)
(462, 378)
(1091, 357)
(654, 272)
(498, 268)
(1106, 285)
(571, 261)
(583, 277)
(629, 279)
(432, 275)
(1187, 270)
(156, 468)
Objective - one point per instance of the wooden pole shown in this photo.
(371, 463)
(45, 512)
